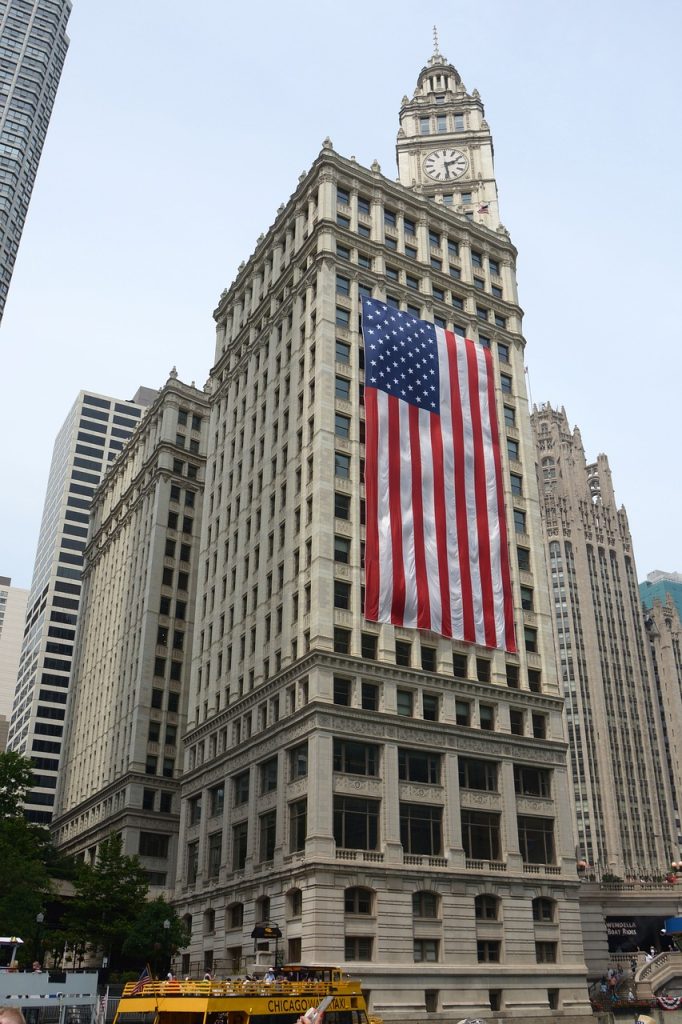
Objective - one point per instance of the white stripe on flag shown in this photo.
(407, 509)
(383, 511)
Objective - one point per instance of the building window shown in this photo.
(215, 853)
(153, 844)
(509, 416)
(513, 449)
(370, 697)
(425, 904)
(294, 903)
(425, 950)
(235, 915)
(428, 656)
(297, 825)
(342, 285)
(545, 952)
(483, 670)
(342, 388)
(342, 352)
(530, 637)
(430, 707)
(342, 465)
(523, 558)
(358, 901)
(536, 840)
(342, 317)
(481, 835)
(403, 653)
(516, 485)
(342, 505)
(341, 549)
(359, 948)
(505, 384)
(462, 712)
(459, 665)
(354, 758)
(368, 644)
(419, 766)
(341, 640)
(192, 862)
(517, 719)
(486, 713)
(486, 907)
(531, 781)
(241, 788)
(268, 775)
(341, 424)
(405, 703)
(539, 723)
(356, 823)
(488, 951)
(195, 810)
(342, 691)
(342, 595)
(266, 847)
(475, 774)
(543, 909)
(298, 762)
(217, 800)
(519, 520)
(421, 831)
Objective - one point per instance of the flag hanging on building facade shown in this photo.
(436, 541)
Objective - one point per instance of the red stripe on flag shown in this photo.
(371, 611)
(398, 601)
(509, 637)
(468, 626)
(481, 492)
(440, 512)
(423, 603)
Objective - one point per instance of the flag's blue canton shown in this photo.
(401, 355)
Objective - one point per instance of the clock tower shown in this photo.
(444, 146)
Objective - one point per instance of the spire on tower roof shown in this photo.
(436, 57)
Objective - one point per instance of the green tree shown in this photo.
(16, 777)
(24, 878)
(149, 941)
(24, 881)
(109, 897)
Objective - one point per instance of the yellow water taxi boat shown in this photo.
(297, 991)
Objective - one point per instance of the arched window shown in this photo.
(358, 901)
(543, 909)
(294, 903)
(425, 904)
(235, 915)
(487, 907)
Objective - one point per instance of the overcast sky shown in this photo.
(180, 127)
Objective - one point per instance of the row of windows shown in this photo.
(356, 826)
(393, 221)
(358, 758)
(344, 285)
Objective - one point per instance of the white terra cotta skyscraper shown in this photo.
(395, 802)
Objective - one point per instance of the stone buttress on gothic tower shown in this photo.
(444, 146)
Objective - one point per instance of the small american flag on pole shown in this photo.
(436, 541)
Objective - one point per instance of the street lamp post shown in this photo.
(40, 917)
(166, 935)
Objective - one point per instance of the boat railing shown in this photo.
(234, 987)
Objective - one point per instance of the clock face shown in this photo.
(446, 164)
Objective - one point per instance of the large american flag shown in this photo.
(436, 541)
